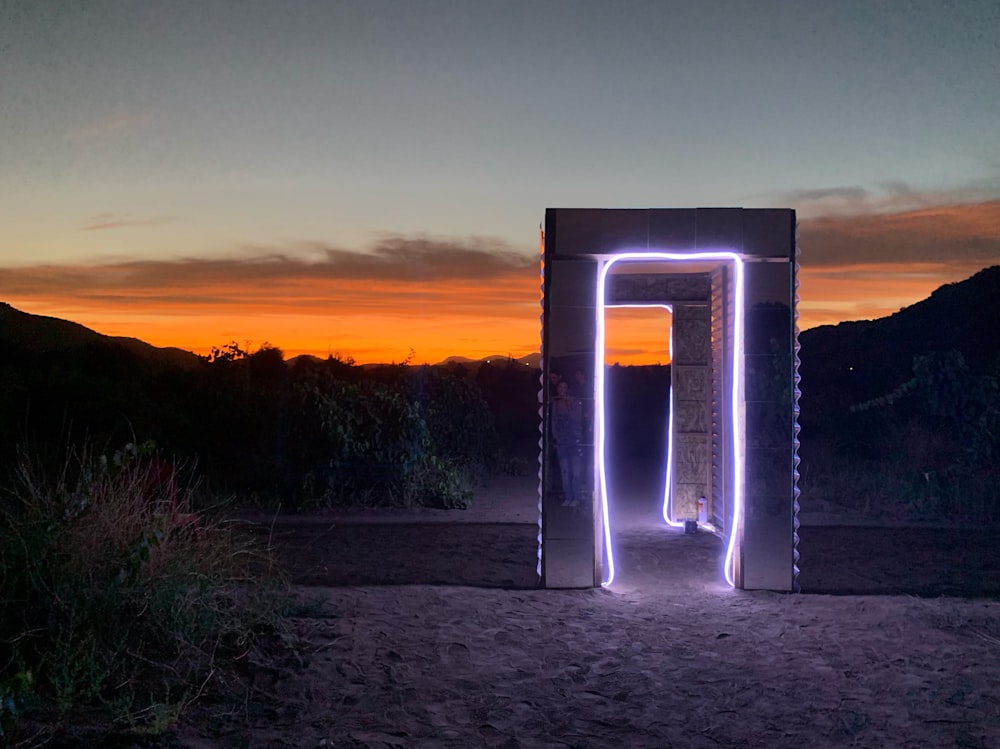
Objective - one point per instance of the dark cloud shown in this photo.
(406, 262)
(958, 234)
(623, 352)
(407, 259)
(898, 189)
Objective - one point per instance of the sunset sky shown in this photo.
(367, 178)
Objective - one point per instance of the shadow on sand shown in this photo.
(915, 561)
(490, 555)
(835, 560)
(327, 550)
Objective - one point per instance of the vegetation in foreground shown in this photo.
(119, 605)
(927, 450)
(300, 433)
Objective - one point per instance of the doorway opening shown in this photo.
(706, 401)
(637, 352)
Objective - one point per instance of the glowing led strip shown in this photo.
(736, 393)
(668, 496)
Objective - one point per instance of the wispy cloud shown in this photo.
(890, 196)
(119, 122)
(853, 194)
(104, 221)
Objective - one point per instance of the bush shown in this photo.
(459, 422)
(115, 597)
(924, 451)
(422, 438)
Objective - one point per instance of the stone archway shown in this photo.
(730, 277)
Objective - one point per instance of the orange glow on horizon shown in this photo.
(636, 335)
(831, 295)
(381, 321)
(369, 322)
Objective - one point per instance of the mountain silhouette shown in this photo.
(843, 364)
(27, 334)
(849, 363)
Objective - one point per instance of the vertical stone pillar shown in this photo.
(767, 550)
(570, 556)
(576, 240)
(691, 474)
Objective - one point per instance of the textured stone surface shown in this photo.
(658, 288)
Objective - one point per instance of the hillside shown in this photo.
(29, 334)
(852, 362)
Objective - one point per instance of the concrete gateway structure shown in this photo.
(728, 275)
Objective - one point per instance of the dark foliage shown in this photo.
(400, 436)
(887, 403)
(116, 600)
(257, 426)
(901, 416)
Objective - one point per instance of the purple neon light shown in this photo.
(668, 496)
(736, 395)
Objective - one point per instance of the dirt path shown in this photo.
(431, 634)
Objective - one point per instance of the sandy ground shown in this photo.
(425, 630)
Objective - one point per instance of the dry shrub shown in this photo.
(115, 595)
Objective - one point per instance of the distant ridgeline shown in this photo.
(258, 424)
